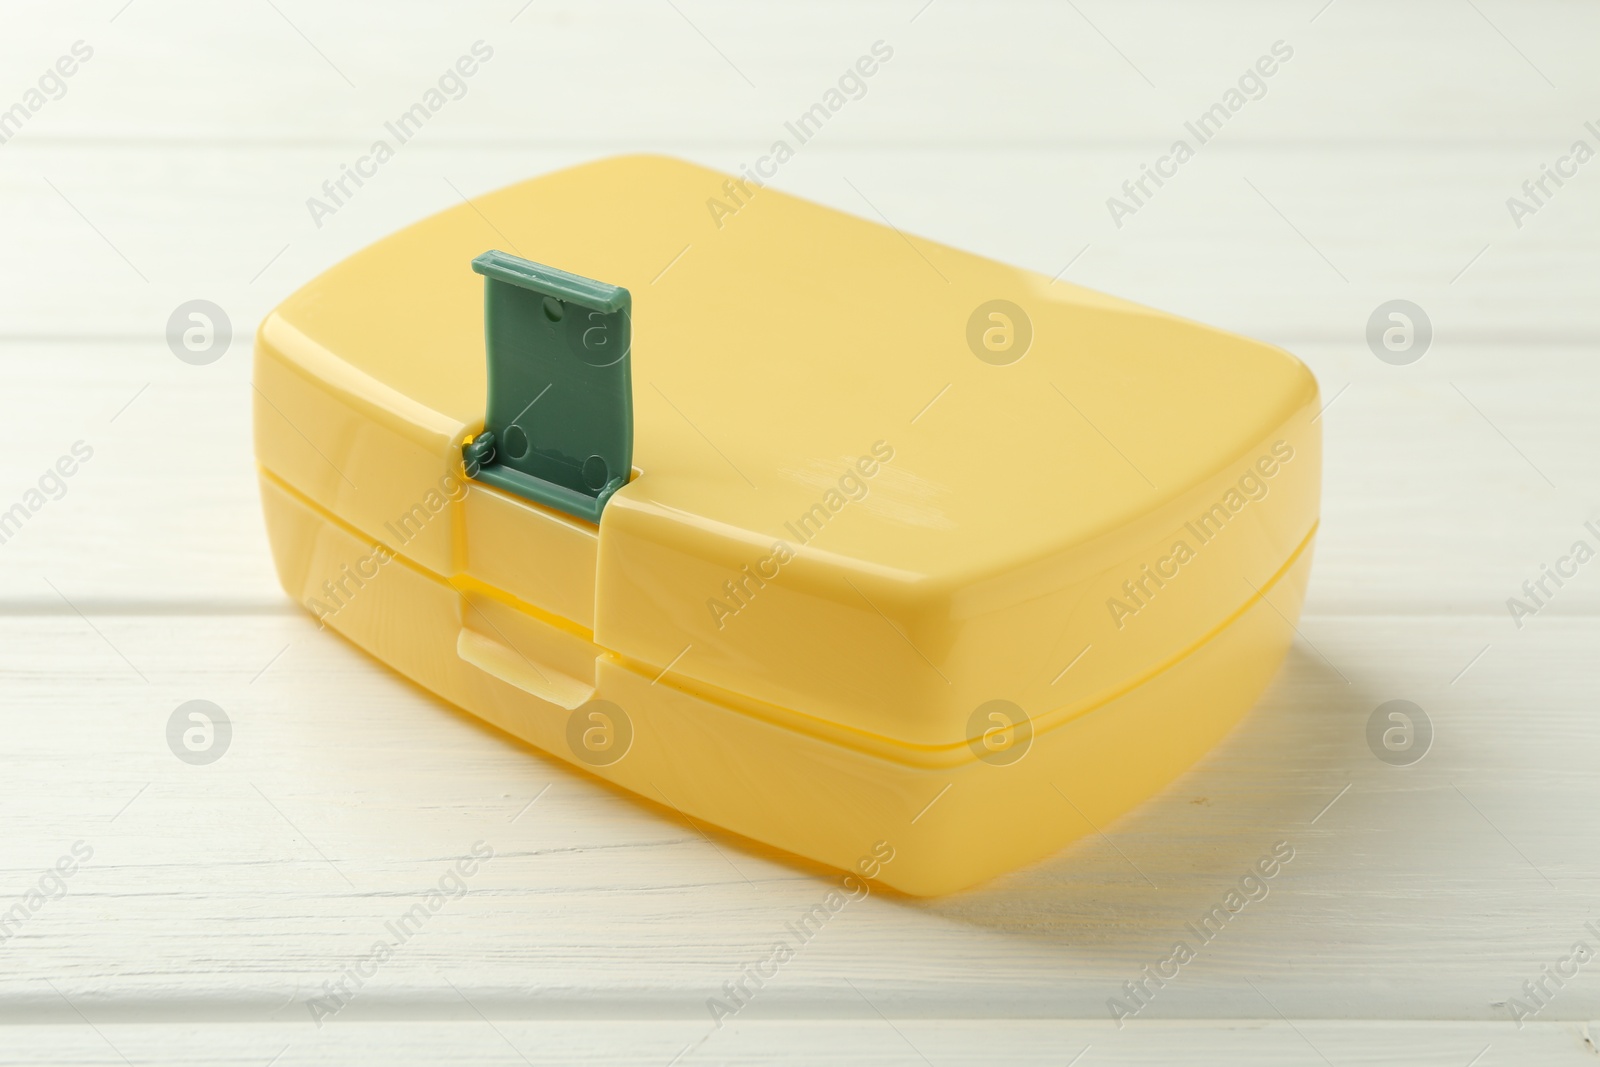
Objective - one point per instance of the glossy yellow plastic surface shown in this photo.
(853, 526)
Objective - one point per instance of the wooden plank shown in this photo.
(963, 71)
(1288, 246)
(498, 1040)
(1430, 891)
(1435, 497)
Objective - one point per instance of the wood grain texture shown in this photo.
(220, 899)
(1423, 892)
(873, 1040)
(1435, 496)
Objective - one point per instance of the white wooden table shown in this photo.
(219, 899)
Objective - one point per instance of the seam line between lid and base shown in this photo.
(956, 753)
(828, 732)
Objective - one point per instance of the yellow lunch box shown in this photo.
(866, 548)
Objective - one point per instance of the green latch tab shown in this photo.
(558, 428)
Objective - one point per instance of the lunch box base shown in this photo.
(931, 823)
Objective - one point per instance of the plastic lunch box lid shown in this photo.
(901, 512)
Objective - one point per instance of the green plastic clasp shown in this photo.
(558, 428)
